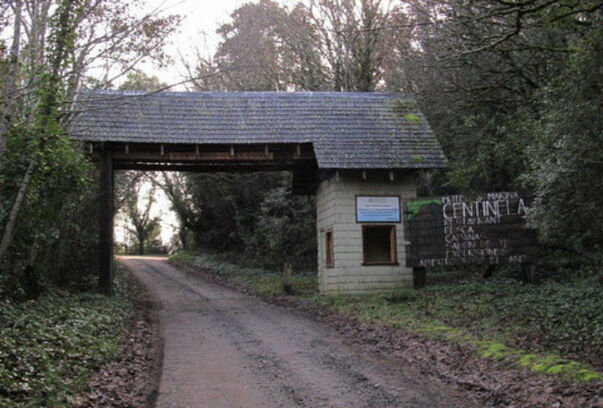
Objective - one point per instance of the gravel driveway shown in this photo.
(227, 349)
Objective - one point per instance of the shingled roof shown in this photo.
(346, 129)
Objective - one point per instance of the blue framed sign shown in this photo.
(377, 209)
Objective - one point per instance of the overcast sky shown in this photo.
(200, 19)
(197, 31)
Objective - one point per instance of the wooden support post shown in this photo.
(528, 272)
(197, 150)
(391, 175)
(298, 150)
(161, 150)
(105, 277)
(418, 277)
(127, 148)
(363, 174)
(266, 150)
(287, 272)
(232, 152)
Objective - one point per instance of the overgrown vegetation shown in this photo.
(49, 347)
(551, 317)
(544, 327)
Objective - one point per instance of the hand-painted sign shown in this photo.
(459, 230)
(377, 209)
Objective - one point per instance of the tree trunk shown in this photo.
(7, 235)
(11, 80)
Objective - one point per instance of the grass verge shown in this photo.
(50, 347)
(261, 281)
(525, 325)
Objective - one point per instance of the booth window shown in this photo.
(379, 244)
(330, 255)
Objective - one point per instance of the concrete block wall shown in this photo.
(336, 211)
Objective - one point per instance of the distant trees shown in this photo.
(137, 80)
(318, 45)
(144, 228)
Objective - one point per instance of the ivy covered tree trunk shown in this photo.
(10, 84)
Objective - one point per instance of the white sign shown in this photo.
(377, 209)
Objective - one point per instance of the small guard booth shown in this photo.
(357, 152)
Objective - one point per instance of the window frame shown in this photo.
(329, 249)
(393, 250)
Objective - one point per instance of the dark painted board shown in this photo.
(456, 230)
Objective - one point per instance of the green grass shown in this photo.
(266, 283)
(526, 325)
(49, 348)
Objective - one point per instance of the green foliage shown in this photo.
(54, 230)
(411, 117)
(285, 229)
(414, 207)
(143, 228)
(47, 194)
(49, 347)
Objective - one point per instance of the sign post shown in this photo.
(456, 230)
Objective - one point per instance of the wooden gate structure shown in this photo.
(338, 146)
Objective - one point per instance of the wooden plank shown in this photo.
(393, 245)
(194, 156)
(200, 153)
(105, 277)
(214, 167)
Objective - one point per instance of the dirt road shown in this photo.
(226, 349)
